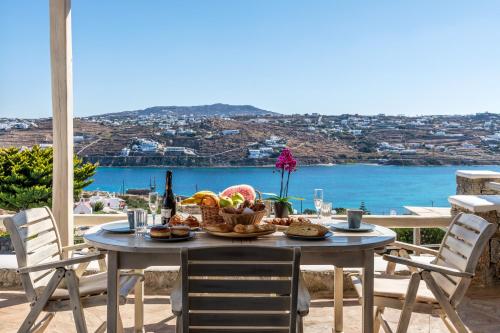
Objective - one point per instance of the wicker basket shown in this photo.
(210, 215)
(234, 219)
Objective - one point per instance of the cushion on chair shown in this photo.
(394, 287)
(96, 284)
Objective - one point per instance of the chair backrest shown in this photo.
(461, 248)
(240, 289)
(36, 240)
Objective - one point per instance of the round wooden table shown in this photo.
(343, 249)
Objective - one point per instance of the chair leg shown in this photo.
(44, 323)
(178, 324)
(447, 323)
(378, 317)
(444, 302)
(40, 303)
(411, 295)
(300, 324)
(76, 304)
(120, 322)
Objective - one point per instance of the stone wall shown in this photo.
(488, 270)
(474, 186)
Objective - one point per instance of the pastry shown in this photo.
(307, 230)
(220, 227)
(176, 220)
(160, 231)
(192, 222)
(180, 231)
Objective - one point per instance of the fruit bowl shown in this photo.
(249, 218)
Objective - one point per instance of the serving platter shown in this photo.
(297, 237)
(239, 235)
(171, 239)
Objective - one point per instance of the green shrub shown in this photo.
(26, 177)
(427, 235)
(97, 206)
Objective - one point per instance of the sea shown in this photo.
(382, 188)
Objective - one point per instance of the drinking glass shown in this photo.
(141, 222)
(318, 200)
(326, 209)
(153, 204)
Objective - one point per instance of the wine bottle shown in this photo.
(168, 203)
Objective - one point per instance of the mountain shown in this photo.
(224, 110)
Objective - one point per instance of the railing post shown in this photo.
(417, 240)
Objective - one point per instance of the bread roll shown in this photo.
(221, 227)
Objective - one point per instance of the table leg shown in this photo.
(139, 304)
(338, 290)
(368, 291)
(113, 282)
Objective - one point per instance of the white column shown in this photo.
(62, 122)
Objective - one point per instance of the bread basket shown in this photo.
(210, 215)
(234, 219)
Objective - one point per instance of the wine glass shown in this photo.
(153, 204)
(318, 200)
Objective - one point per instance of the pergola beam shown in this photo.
(62, 121)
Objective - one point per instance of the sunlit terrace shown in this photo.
(243, 271)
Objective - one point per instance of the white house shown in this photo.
(82, 207)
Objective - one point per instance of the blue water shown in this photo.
(382, 188)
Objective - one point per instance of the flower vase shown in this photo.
(281, 209)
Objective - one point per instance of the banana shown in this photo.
(201, 194)
(190, 201)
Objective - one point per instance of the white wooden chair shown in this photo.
(240, 289)
(50, 282)
(446, 278)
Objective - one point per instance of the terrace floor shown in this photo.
(480, 312)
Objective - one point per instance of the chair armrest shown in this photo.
(80, 246)
(413, 247)
(61, 263)
(428, 267)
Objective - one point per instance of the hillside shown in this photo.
(222, 110)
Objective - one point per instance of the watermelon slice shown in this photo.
(246, 191)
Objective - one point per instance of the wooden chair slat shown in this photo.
(444, 283)
(464, 234)
(473, 222)
(240, 269)
(40, 240)
(281, 287)
(239, 319)
(451, 259)
(239, 330)
(42, 253)
(458, 245)
(229, 253)
(33, 229)
(30, 216)
(278, 303)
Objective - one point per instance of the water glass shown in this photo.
(153, 204)
(326, 209)
(318, 200)
(140, 220)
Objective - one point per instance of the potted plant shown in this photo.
(286, 164)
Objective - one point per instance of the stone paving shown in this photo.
(481, 315)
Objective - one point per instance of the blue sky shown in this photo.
(332, 56)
